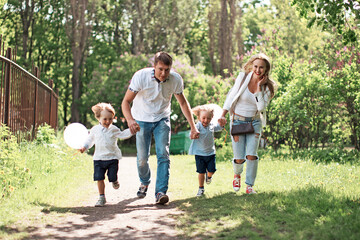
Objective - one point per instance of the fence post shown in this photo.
(57, 108)
(36, 73)
(51, 96)
(7, 88)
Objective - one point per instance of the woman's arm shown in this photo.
(233, 91)
(262, 99)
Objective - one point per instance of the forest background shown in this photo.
(91, 49)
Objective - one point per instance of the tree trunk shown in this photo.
(78, 29)
(26, 18)
(137, 28)
(225, 36)
(212, 42)
(239, 38)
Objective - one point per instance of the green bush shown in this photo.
(45, 135)
(225, 153)
(328, 155)
(317, 155)
(13, 171)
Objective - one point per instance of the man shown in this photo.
(150, 91)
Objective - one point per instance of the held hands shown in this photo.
(194, 134)
(134, 126)
(82, 150)
(222, 121)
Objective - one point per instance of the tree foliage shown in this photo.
(92, 54)
(343, 15)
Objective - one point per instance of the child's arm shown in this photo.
(90, 141)
(123, 134)
(218, 128)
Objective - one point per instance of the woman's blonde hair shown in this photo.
(271, 84)
(98, 108)
(203, 108)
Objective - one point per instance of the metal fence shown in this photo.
(25, 101)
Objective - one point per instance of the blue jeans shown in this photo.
(162, 133)
(247, 145)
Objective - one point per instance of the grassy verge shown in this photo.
(57, 175)
(295, 200)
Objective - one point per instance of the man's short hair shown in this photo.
(163, 57)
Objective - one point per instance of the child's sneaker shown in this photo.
(101, 202)
(116, 184)
(161, 198)
(200, 192)
(207, 178)
(237, 182)
(142, 191)
(250, 190)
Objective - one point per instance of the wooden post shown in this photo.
(57, 108)
(7, 88)
(36, 73)
(51, 96)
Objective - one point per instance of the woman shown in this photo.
(247, 101)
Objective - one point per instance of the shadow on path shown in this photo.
(123, 217)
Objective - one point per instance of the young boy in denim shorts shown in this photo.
(204, 148)
(107, 154)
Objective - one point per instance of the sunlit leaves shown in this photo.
(329, 14)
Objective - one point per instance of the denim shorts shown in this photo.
(204, 163)
(100, 168)
(248, 144)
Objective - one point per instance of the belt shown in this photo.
(246, 119)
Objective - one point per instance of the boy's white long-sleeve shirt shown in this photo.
(105, 140)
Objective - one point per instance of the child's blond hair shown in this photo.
(203, 108)
(98, 108)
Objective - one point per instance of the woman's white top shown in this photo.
(246, 105)
(105, 140)
(262, 98)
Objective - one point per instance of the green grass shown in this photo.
(295, 200)
(59, 177)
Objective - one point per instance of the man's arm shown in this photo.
(185, 108)
(125, 107)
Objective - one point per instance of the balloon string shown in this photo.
(76, 153)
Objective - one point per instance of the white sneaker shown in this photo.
(101, 202)
(207, 178)
(200, 192)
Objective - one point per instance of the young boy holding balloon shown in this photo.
(107, 154)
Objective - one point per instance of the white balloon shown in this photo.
(75, 135)
(217, 113)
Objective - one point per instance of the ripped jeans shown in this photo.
(247, 145)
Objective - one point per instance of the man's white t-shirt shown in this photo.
(153, 98)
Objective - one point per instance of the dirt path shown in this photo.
(124, 217)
